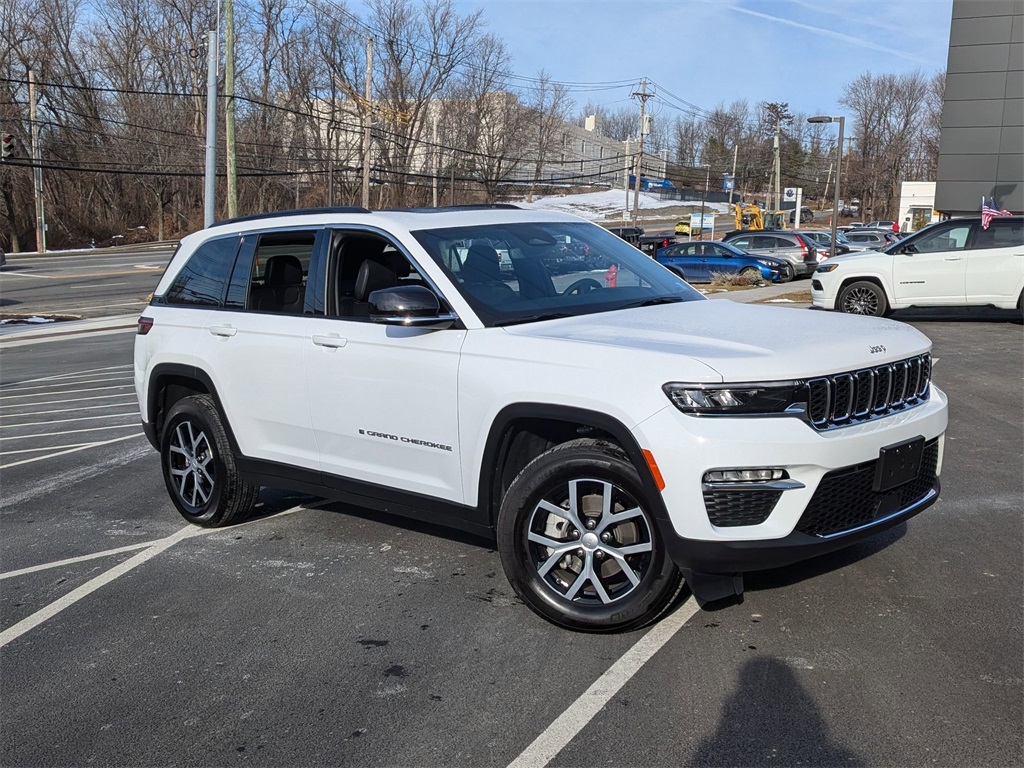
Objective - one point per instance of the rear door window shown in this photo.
(1001, 234)
(203, 281)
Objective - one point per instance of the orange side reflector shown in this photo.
(655, 472)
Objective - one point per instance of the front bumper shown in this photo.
(812, 460)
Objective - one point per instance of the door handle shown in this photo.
(952, 258)
(223, 330)
(331, 340)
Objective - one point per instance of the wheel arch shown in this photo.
(522, 431)
(847, 281)
(169, 383)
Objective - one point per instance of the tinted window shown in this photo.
(364, 262)
(279, 270)
(944, 239)
(1001, 234)
(740, 242)
(203, 281)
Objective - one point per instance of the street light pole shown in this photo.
(839, 168)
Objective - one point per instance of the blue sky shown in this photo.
(710, 52)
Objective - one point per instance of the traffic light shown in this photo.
(8, 145)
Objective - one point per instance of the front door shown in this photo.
(384, 398)
(931, 269)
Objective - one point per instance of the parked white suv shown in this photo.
(612, 429)
(952, 263)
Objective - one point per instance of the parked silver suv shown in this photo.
(800, 252)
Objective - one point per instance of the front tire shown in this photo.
(579, 544)
(863, 298)
(751, 274)
(199, 466)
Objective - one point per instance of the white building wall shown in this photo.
(917, 205)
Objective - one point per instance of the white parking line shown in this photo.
(78, 374)
(51, 384)
(133, 425)
(138, 303)
(45, 448)
(75, 449)
(29, 274)
(72, 597)
(153, 548)
(565, 728)
(78, 399)
(8, 425)
(65, 410)
(73, 560)
(70, 391)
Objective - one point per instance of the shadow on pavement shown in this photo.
(957, 314)
(771, 720)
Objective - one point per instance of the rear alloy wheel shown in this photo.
(199, 466)
(788, 274)
(863, 298)
(578, 542)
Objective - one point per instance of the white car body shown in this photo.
(376, 412)
(971, 269)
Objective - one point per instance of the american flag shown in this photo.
(989, 212)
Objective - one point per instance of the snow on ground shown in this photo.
(597, 206)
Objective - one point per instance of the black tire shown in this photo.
(863, 298)
(788, 274)
(199, 466)
(592, 592)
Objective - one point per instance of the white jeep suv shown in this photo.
(612, 429)
(954, 263)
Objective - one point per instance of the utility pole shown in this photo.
(437, 155)
(643, 96)
(778, 166)
(210, 177)
(625, 184)
(824, 197)
(229, 106)
(703, 199)
(368, 118)
(37, 169)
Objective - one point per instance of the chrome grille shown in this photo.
(855, 396)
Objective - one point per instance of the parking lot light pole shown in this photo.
(839, 167)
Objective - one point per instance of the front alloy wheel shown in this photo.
(579, 544)
(863, 298)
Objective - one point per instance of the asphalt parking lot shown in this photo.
(320, 634)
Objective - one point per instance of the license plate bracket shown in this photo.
(898, 464)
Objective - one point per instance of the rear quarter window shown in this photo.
(203, 281)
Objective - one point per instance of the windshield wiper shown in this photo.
(653, 302)
(533, 318)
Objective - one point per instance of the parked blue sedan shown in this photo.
(700, 261)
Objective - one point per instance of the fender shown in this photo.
(190, 372)
(494, 446)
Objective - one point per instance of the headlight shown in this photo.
(827, 267)
(736, 399)
(766, 264)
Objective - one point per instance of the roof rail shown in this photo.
(295, 212)
(443, 209)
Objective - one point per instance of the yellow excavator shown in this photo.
(750, 216)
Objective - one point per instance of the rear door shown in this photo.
(931, 269)
(253, 348)
(995, 263)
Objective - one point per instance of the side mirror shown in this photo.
(409, 305)
(909, 248)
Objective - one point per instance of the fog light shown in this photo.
(744, 475)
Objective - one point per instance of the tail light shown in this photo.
(145, 326)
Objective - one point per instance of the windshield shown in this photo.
(520, 272)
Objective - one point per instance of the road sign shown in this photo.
(728, 181)
(790, 194)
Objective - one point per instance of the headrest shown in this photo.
(283, 270)
(481, 264)
(374, 274)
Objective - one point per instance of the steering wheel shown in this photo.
(581, 286)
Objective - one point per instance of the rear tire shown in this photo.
(863, 298)
(788, 274)
(199, 466)
(579, 544)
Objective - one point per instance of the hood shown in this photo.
(744, 343)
